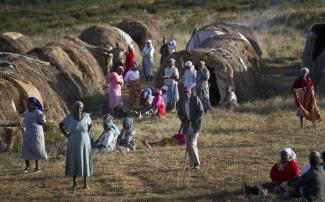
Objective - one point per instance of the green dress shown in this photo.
(78, 157)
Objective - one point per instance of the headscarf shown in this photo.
(35, 103)
(128, 121)
(120, 68)
(164, 88)
(107, 119)
(79, 103)
(147, 93)
(130, 46)
(108, 122)
(158, 91)
(149, 42)
(156, 100)
(305, 69)
(187, 90)
(290, 152)
(148, 51)
(173, 42)
(190, 65)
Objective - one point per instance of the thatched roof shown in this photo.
(218, 29)
(231, 58)
(20, 78)
(14, 42)
(140, 32)
(58, 73)
(314, 55)
(103, 35)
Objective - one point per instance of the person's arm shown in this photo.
(199, 110)
(179, 111)
(175, 76)
(274, 173)
(295, 169)
(127, 77)
(63, 130)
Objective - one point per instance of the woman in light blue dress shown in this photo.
(76, 127)
(33, 146)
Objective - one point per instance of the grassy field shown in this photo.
(235, 146)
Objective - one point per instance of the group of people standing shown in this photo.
(195, 77)
(190, 104)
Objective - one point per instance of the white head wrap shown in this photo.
(130, 46)
(164, 88)
(79, 103)
(290, 152)
(305, 69)
(190, 65)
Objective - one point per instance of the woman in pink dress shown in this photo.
(115, 81)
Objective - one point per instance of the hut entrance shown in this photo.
(319, 43)
(213, 90)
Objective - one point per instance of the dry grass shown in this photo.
(235, 146)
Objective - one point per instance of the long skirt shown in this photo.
(172, 93)
(33, 148)
(134, 92)
(147, 66)
(115, 97)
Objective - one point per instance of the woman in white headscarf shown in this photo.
(189, 77)
(282, 173)
(147, 60)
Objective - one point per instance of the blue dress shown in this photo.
(33, 147)
(78, 157)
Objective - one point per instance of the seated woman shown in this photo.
(158, 103)
(145, 101)
(157, 106)
(283, 172)
(107, 141)
(177, 139)
(126, 139)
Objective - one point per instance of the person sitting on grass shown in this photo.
(164, 95)
(157, 107)
(107, 141)
(177, 139)
(158, 104)
(126, 139)
(145, 101)
(283, 172)
(311, 184)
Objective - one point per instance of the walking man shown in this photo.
(190, 112)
